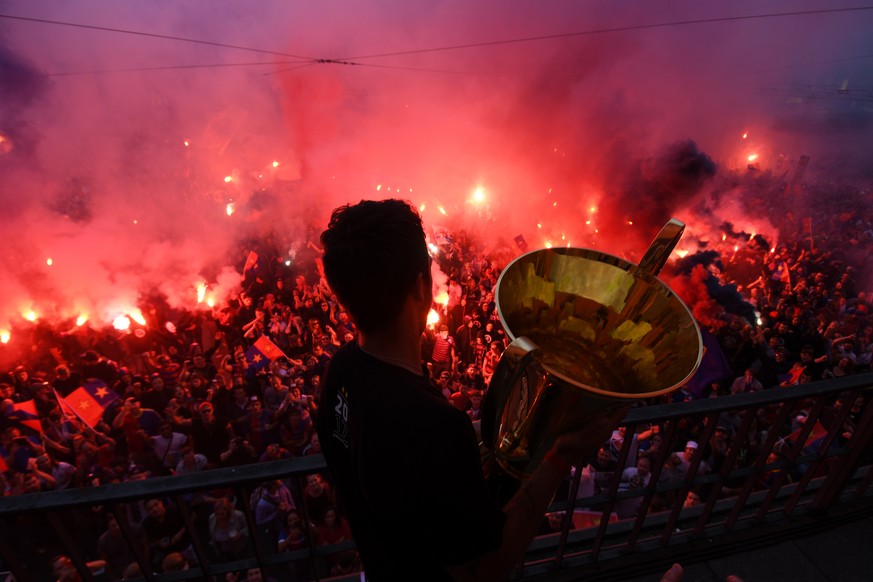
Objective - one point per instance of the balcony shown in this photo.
(770, 484)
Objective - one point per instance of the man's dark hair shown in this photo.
(373, 253)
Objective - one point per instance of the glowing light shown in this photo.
(433, 318)
(479, 195)
(682, 253)
(287, 262)
(378, 187)
(745, 135)
(82, 319)
(773, 250)
(753, 157)
(593, 209)
(230, 208)
(587, 222)
(275, 164)
(29, 315)
(723, 237)
(736, 248)
(442, 298)
(434, 250)
(539, 225)
(630, 222)
(136, 315)
(121, 323)
(49, 261)
(563, 236)
(210, 302)
(548, 244)
(758, 319)
(555, 204)
(186, 143)
(135, 221)
(421, 208)
(442, 210)
(5, 336)
(228, 179)
(201, 292)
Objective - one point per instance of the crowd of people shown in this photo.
(241, 384)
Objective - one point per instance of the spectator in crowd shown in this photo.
(228, 533)
(317, 498)
(746, 383)
(272, 502)
(633, 479)
(167, 446)
(333, 530)
(211, 434)
(166, 531)
(114, 549)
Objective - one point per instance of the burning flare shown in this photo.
(137, 316)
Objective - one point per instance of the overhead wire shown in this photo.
(175, 67)
(354, 61)
(156, 35)
(631, 27)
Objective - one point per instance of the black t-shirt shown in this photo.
(407, 469)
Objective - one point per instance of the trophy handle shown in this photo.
(513, 363)
(659, 251)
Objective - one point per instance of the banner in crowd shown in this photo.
(818, 433)
(89, 401)
(262, 352)
(25, 415)
(251, 261)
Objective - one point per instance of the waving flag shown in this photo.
(251, 261)
(817, 434)
(89, 401)
(262, 352)
(24, 413)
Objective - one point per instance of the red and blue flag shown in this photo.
(89, 401)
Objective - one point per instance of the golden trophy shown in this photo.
(589, 331)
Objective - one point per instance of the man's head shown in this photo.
(374, 254)
(156, 509)
(644, 466)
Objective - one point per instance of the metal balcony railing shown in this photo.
(770, 479)
(766, 477)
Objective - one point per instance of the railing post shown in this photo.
(70, 546)
(119, 510)
(858, 444)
